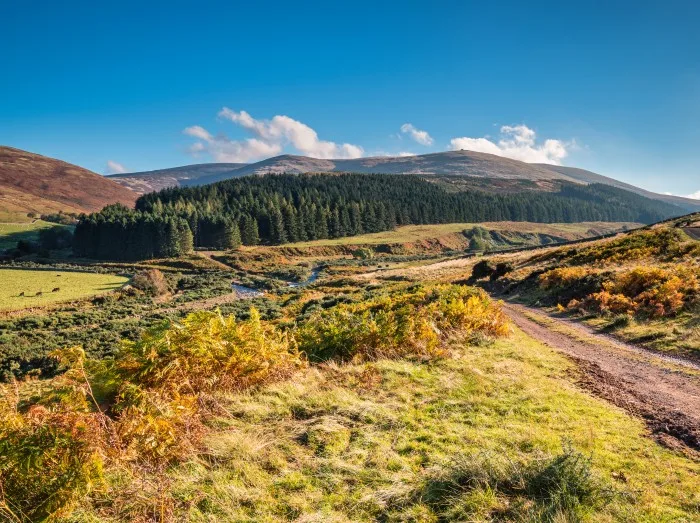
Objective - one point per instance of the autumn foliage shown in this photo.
(147, 408)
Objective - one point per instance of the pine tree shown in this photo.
(249, 231)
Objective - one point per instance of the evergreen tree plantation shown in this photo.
(276, 209)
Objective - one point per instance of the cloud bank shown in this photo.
(269, 138)
(115, 168)
(695, 195)
(422, 137)
(517, 142)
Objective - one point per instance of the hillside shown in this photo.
(456, 163)
(450, 237)
(585, 176)
(457, 170)
(148, 181)
(33, 183)
(642, 286)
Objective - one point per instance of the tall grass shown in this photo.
(559, 488)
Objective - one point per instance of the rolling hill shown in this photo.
(148, 181)
(451, 163)
(478, 170)
(33, 183)
(585, 176)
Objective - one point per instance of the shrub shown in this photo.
(407, 323)
(653, 291)
(207, 352)
(51, 453)
(164, 377)
(151, 281)
(501, 269)
(562, 276)
(55, 238)
(482, 269)
(155, 392)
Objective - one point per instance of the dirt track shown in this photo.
(664, 391)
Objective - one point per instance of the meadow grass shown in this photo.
(11, 233)
(7, 216)
(71, 285)
(446, 440)
(415, 233)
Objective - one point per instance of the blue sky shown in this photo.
(614, 86)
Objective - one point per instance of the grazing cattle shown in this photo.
(39, 293)
(21, 293)
(56, 289)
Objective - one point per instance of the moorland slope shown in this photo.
(33, 183)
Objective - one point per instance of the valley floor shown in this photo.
(553, 422)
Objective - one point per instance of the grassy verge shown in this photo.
(409, 441)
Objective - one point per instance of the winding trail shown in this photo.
(663, 390)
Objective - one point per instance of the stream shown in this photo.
(246, 293)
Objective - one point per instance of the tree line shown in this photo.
(277, 209)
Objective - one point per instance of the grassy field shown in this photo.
(71, 285)
(409, 441)
(416, 233)
(11, 233)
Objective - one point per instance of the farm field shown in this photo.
(71, 285)
(416, 233)
(11, 233)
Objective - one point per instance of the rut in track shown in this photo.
(664, 391)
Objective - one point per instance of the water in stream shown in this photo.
(244, 292)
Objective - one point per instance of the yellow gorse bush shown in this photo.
(406, 323)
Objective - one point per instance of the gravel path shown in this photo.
(663, 390)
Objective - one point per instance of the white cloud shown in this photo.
(115, 168)
(269, 139)
(695, 195)
(422, 137)
(198, 132)
(517, 142)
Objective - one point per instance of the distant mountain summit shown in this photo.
(33, 183)
(450, 163)
(148, 181)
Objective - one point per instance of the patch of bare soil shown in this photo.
(663, 391)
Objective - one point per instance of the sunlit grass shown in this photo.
(363, 442)
(38, 287)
